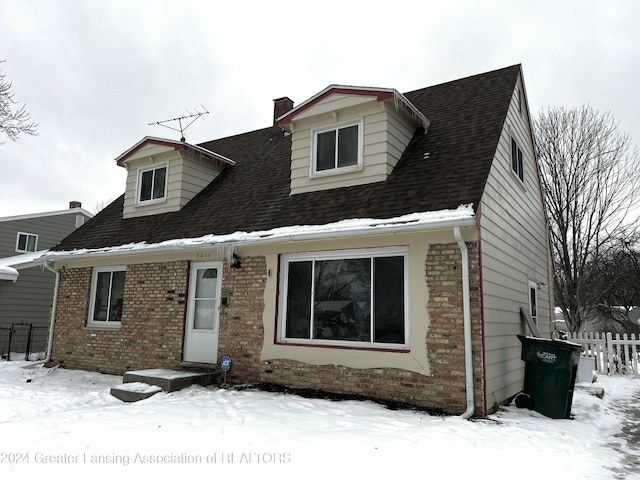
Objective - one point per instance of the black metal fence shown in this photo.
(23, 341)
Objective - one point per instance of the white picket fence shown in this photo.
(613, 354)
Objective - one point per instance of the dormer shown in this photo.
(347, 135)
(163, 175)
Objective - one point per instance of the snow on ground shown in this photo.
(65, 422)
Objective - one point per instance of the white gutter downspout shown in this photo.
(466, 305)
(52, 322)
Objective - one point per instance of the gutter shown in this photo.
(466, 305)
(266, 239)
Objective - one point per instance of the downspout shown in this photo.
(466, 305)
(54, 306)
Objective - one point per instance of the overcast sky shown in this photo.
(94, 74)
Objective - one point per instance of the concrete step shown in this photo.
(133, 392)
(169, 380)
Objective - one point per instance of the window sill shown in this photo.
(518, 181)
(104, 328)
(342, 346)
(156, 201)
(336, 171)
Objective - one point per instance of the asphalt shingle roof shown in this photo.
(466, 115)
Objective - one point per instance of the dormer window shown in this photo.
(152, 184)
(337, 149)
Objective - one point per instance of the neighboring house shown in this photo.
(26, 289)
(369, 242)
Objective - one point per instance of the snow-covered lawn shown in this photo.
(63, 422)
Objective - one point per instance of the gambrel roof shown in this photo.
(443, 169)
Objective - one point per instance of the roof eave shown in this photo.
(266, 238)
(221, 160)
(381, 94)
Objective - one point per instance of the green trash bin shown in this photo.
(549, 374)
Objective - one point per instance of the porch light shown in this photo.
(235, 263)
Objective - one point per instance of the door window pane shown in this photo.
(204, 314)
(206, 283)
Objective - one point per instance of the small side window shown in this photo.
(152, 184)
(533, 301)
(26, 242)
(517, 163)
(107, 294)
(336, 149)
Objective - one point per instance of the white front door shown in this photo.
(203, 313)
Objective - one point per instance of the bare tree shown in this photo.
(101, 205)
(14, 119)
(590, 174)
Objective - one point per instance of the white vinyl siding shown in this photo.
(514, 248)
(187, 176)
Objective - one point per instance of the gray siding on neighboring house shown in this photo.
(49, 228)
(28, 300)
(514, 248)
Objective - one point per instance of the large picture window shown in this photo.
(345, 298)
(107, 294)
(152, 184)
(337, 148)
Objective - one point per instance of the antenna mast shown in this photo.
(195, 116)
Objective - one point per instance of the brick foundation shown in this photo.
(153, 323)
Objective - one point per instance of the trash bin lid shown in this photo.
(549, 341)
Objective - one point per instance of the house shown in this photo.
(26, 289)
(368, 242)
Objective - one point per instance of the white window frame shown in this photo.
(533, 309)
(26, 249)
(518, 171)
(337, 170)
(285, 259)
(141, 171)
(94, 285)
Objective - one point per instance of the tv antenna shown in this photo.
(191, 117)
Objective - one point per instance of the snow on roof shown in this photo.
(462, 216)
(24, 260)
(8, 273)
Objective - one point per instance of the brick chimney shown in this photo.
(280, 107)
(75, 204)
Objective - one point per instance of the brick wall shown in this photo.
(152, 321)
(242, 335)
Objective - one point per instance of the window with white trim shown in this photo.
(26, 242)
(533, 301)
(337, 149)
(345, 298)
(107, 294)
(517, 164)
(152, 184)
